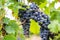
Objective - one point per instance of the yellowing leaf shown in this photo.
(34, 27)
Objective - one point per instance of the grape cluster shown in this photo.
(42, 19)
(23, 15)
(34, 13)
(38, 16)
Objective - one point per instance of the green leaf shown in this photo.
(37, 1)
(58, 16)
(14, 25)
(6, 20)
(9, 30)
(59, 27)
(54, 26)
(55, 14)
(42, 5)
(47, 10)
(9, 37)
(2, 2)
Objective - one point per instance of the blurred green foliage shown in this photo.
(10, 37)
(12, 27)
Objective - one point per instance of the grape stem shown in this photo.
(23, 22)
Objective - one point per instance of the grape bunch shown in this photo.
(42, 19)
(38, 16)
(34, 13)
(23, 15)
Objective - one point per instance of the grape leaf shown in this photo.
(34, 27)
(9, 37)
(6, 20)
(14, 25)
(9, 30)
(54, 26)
